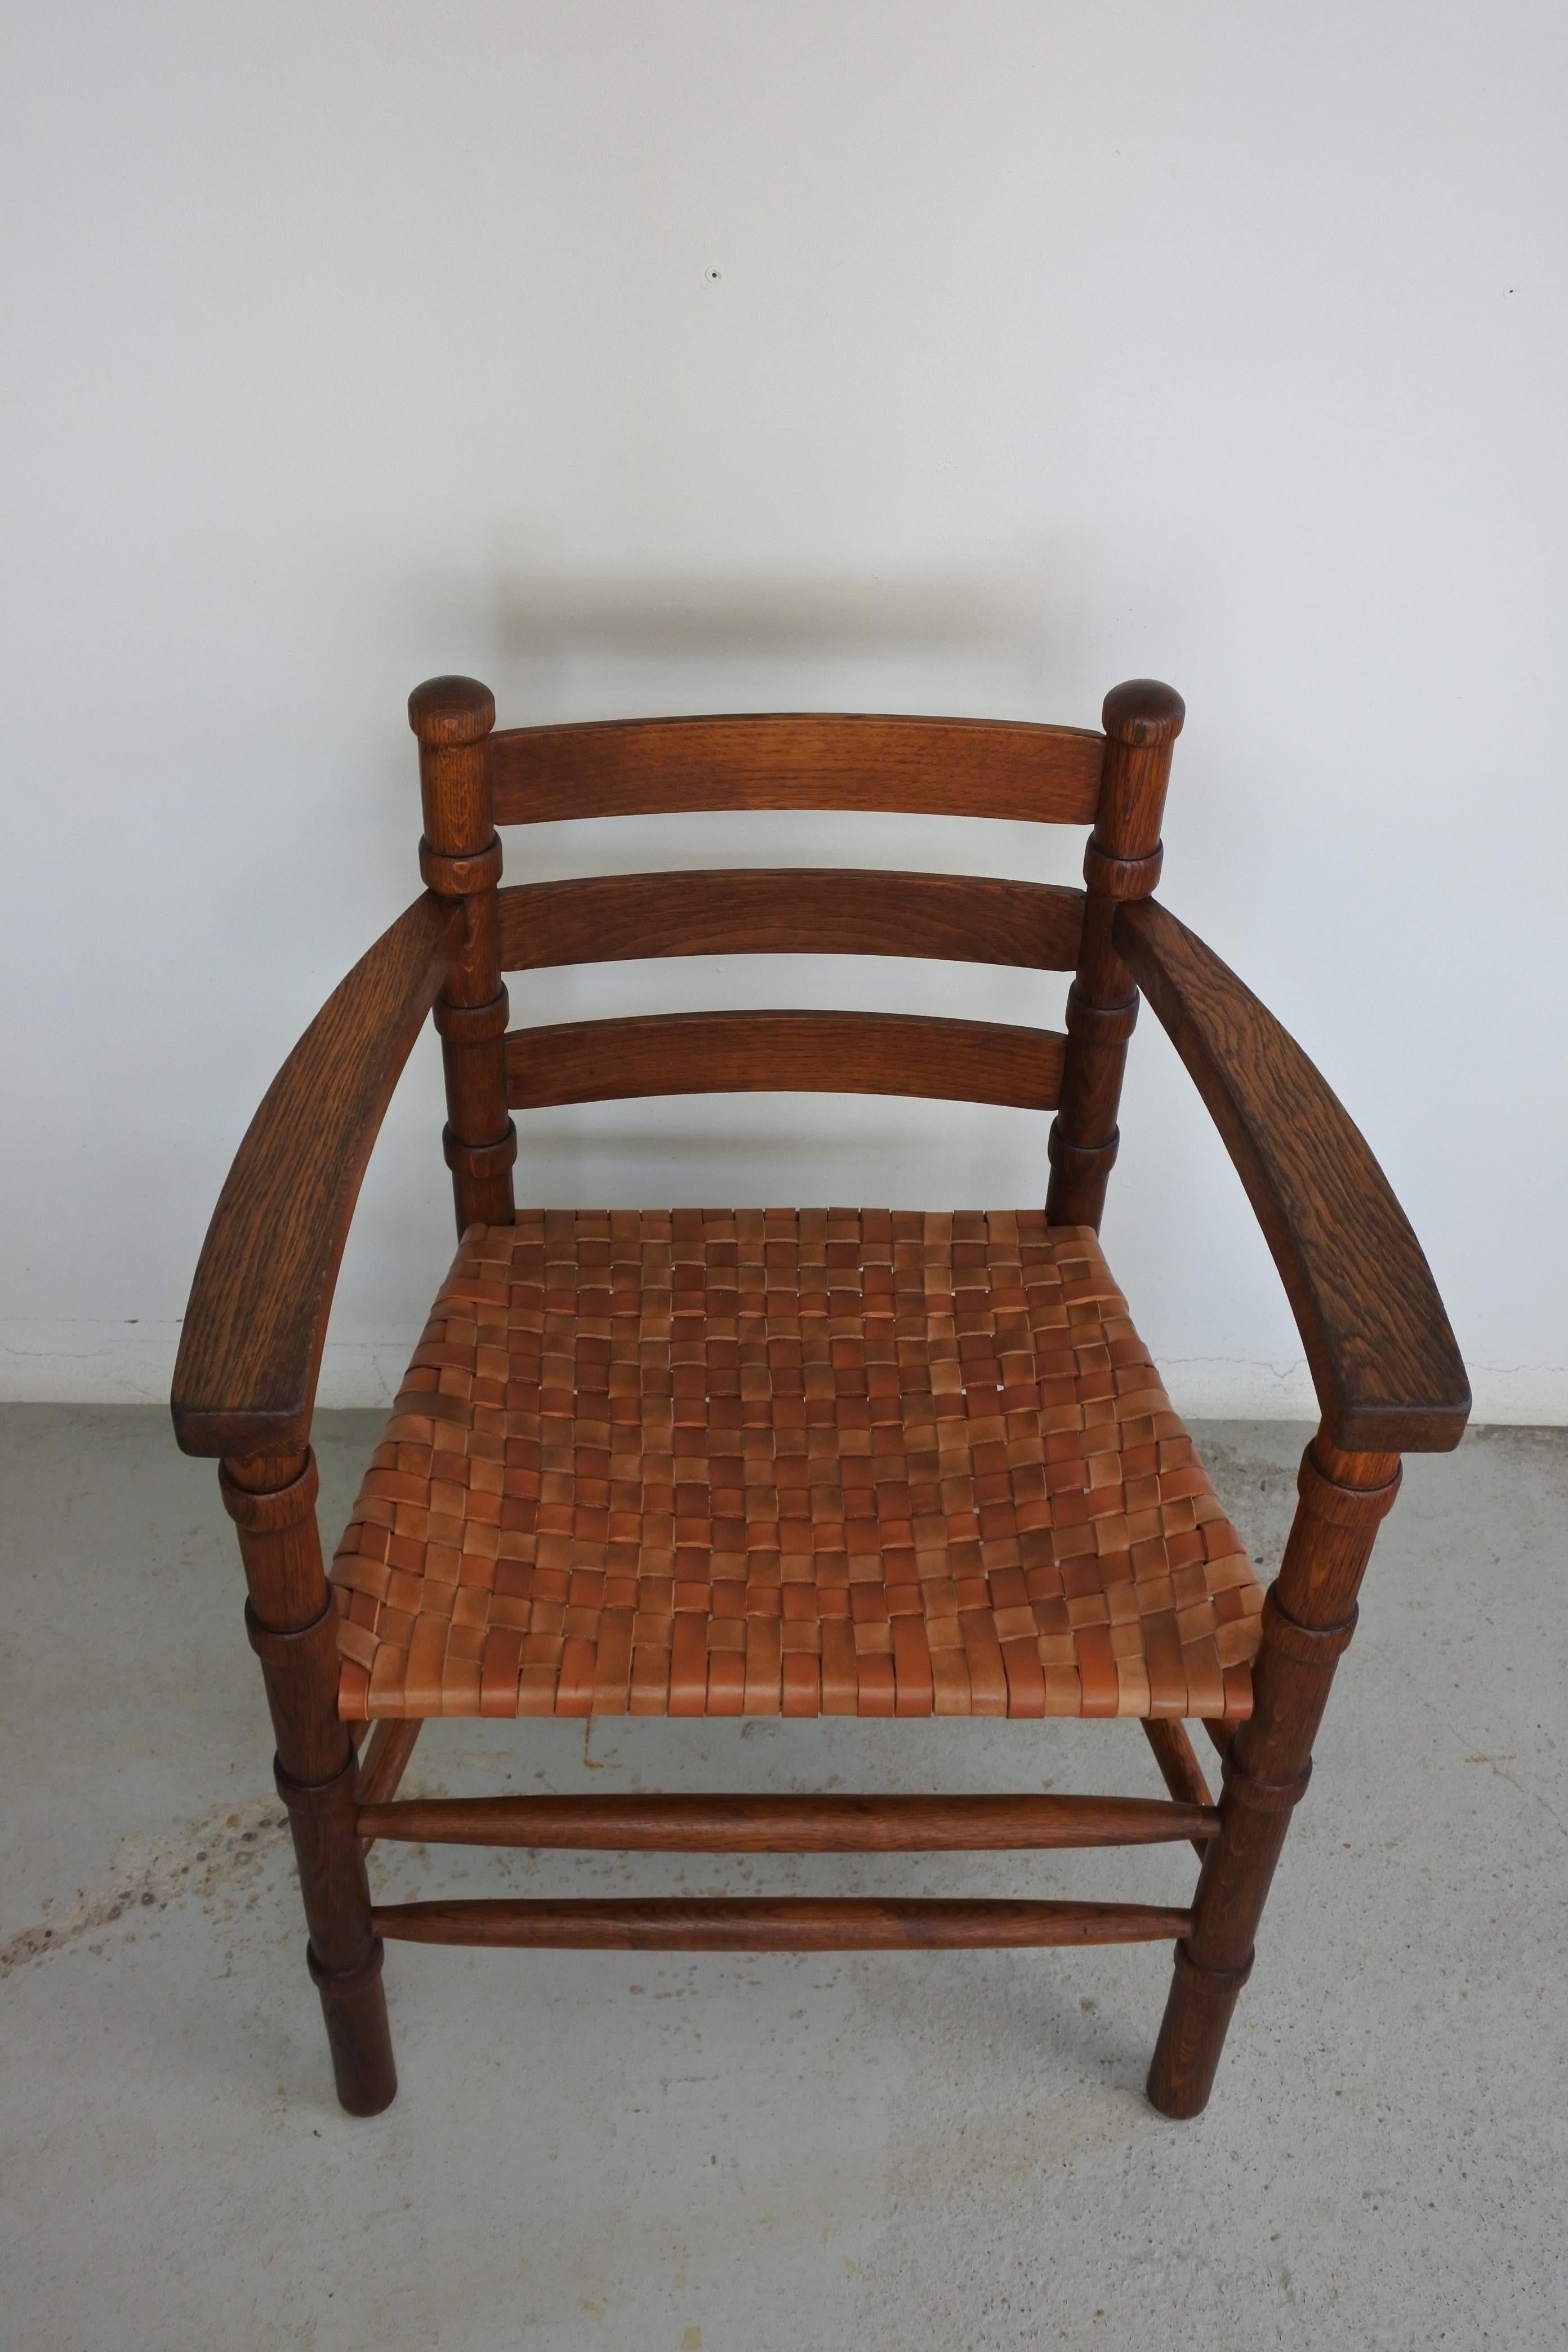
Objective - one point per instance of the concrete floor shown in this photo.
(707, 2152)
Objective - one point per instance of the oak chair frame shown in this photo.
(1387, 1373)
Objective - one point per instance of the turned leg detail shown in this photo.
(1309, 1617)
(291, 1622)
(1142, 721)
(461, 857)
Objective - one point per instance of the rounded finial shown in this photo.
(446, 711)
(1142, 710)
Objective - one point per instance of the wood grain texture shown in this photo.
(942, 767)
(783, 1053)
(291, 1624)
(461, 857)
(1309, 1618)
(1384, 1360)
(1179, 1766)
(289, 1619)
(747, 1824)
(246, 1375)
(761, 911)
(766, 1924)
(386, 1759)
(1141, 718)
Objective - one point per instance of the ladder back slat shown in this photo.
(938, 767)
(828, 910)
(785, 1053)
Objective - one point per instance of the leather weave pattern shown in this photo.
(788, 1460)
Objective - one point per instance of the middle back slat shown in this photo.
(827, 910)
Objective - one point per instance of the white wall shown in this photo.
(931, 355)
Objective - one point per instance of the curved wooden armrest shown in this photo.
(245, 1381)
(1387, 1371)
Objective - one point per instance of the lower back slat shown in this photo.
(785, 1053)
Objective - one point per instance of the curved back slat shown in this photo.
(939, 767)
(829, 911)
(784, 1052)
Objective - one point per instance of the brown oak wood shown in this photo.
(386, 1759)
(1388, 1373)
(944, 766)
(292, 1627)
(1179, 1766)
(289, 1620)
(1309, 1617)
(766, 1924)
(383, 1763)
(1143, 719)
(790, 911)
(808, 1824)
(245, 1378)
(766, 1052)
(460, 859)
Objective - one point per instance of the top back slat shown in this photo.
(935, 767)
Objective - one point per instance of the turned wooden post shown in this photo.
(1143, 720)
(292, 1624)
(1309, 1617)
(461, 857)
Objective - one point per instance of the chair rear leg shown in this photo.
(292, 1624)
(1307, 1620)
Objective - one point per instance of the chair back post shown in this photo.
(461, 857)
(1142, 721)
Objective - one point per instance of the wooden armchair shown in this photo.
(809, 1462)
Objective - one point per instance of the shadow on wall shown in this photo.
(1016, 639)
(703, 616)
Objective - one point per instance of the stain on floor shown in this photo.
(215, 1860)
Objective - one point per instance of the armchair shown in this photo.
(706, 1462)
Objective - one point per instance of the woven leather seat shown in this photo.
(804, 1462)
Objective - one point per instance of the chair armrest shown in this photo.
(245, 1381)
(1384, 1360)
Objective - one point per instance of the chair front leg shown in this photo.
(1309, 1617)
(292, 1624)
